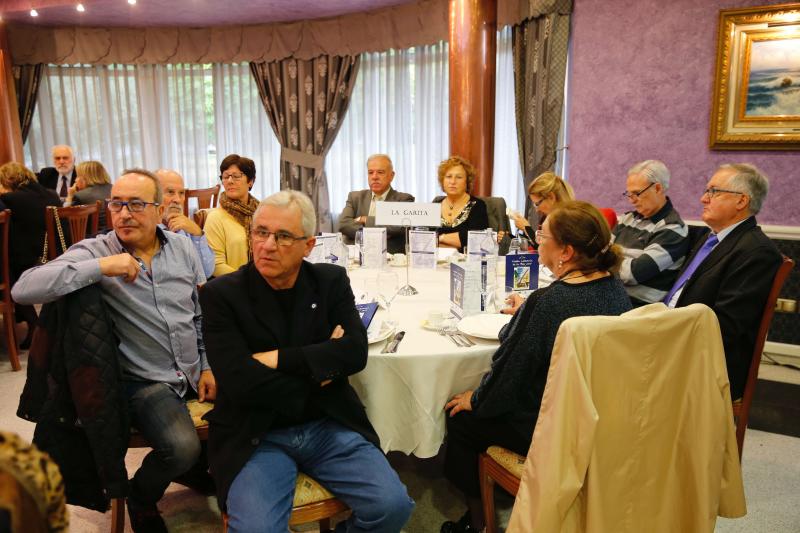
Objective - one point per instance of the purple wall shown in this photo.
(642, 73)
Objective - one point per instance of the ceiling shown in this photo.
(195, 13)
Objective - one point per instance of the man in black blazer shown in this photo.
(732, 269)
(359, 210)
(61, 176)
(282, 336)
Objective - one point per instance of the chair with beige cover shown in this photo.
(635, 431)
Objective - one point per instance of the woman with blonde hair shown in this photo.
(92, 183)
(461, 212)
(575, 243)
(28, 200)
(547, 191)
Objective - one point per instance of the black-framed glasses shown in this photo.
(235, 176)
(537, 204)
(711, 192)
(283, 238)
(134, 206)
(632, 195)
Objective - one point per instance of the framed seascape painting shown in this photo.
(756, 102)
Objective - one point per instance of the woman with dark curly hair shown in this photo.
(575, 243)
(227, 227)
(461, 212)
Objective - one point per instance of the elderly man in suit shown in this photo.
(359, 210)
(731, 270)
(283, 335)
(61, 176)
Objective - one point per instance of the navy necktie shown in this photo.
(699, 257)
(63, 190)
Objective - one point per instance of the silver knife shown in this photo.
(395, 342)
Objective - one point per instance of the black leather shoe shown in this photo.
(199, 480)
(145, 518)
(462, 526)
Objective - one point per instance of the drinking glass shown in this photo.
(388, 285)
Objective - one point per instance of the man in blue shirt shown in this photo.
(175, 219)
(149, 279)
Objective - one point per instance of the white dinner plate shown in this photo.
(381, 332)
(483, 326)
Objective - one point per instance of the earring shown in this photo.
(560, 264)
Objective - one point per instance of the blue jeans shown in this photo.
(163, 420)
(353, 469)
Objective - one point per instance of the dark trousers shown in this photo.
(467, 437)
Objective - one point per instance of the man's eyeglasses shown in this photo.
(235, 176)
(539, 235)
(711, 192)
(632, 195)
(283, 238)
(134, 206)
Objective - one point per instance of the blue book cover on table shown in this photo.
(366, 312)
(522, 272)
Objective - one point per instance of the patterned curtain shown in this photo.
(306, 101)
(540, 59)
(26, 83)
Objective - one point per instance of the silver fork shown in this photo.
(467, 340)
(444, 333)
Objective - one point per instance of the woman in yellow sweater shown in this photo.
(227, 227)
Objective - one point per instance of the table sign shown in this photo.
(329, 248)
(373, 247)
(408, 214)
(423, 248)
(522, 273)
(481, 243)
(366, 312)
(465, 289)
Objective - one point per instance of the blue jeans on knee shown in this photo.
(352, 468)
(163, 420)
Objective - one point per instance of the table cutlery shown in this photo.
(391, 347)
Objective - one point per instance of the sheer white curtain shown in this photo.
(242, 125)
(185, 117)
(400, 107)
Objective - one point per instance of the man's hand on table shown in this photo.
(207, 386)
(460, 402)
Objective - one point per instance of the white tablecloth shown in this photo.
(405, 392)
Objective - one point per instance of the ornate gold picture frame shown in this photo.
(756, 102)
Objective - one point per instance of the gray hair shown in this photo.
(750, 181)
(287, 198)
(68, 148)
(654, 170)
(159, 197)
(381, 156)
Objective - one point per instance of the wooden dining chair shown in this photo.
(82, 221)
(312, 503)
(200, 217)
(501, 466)
(196, 410)
(6, 303)
(205, 198)
(741, 408)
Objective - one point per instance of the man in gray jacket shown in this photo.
(359, 211)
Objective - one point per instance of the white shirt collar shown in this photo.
(727, 231)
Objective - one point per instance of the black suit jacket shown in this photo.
(48, 176)
(242, 316)
(735, 280)
(358, 205)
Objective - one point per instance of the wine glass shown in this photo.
(388, 285)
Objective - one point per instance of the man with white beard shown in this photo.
(176, 220)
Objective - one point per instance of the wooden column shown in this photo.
(473, 48)
(10, 132)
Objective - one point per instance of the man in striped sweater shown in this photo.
(653, 236)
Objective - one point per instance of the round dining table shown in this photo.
(405, 392)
